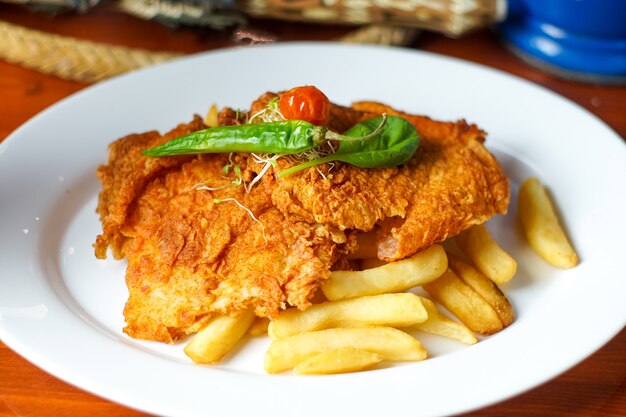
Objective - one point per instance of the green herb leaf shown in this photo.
(394, 145)
(284, 137)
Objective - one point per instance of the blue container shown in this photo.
(583, 40)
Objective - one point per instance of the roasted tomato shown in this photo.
(305, 103)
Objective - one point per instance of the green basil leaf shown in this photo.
(393, 146)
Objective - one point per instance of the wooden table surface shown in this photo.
(595, 387)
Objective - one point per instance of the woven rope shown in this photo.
(85, 61)
(69, 58)
(381, 35)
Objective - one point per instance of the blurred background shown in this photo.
(582, 40)
(578, 42)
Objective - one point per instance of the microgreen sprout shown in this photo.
(270, 113)
(241, 114)
(201, 186)
(226, 168)
(267, 161)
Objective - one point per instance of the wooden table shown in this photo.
(596, 387)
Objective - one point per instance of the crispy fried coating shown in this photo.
(124, 177)
(450, 184)
(197, 245)
(193, 252)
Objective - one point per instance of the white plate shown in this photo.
(62, 309)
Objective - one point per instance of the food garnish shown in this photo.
(381, 142)
(295, 124)
(305, 103)
(286, 137)
(390, 146)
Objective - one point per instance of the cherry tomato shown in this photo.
(305, 103)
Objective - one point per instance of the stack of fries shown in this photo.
(370, 316)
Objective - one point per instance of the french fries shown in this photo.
(441, 325)
(338, 361)
(392, 344)
(490, 259)
(465, 303)
(421, 268)
(219, 336)
(259, 326)
(394, 310)
(541, 226)
(485, 287)
(353, 325)
(211, 120)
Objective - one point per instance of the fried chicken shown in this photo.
(198, 245)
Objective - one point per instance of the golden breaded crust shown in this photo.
(451, 183)
(125, 175)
